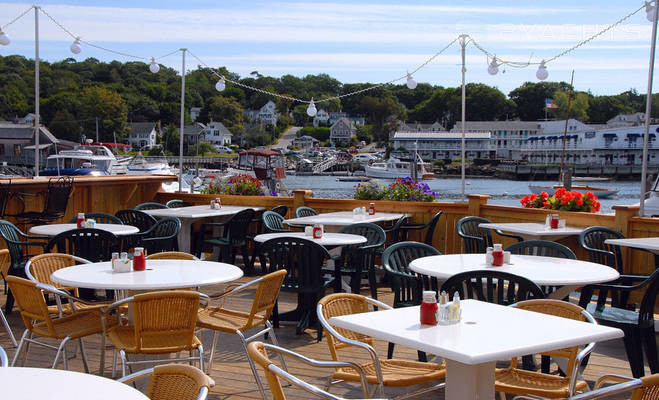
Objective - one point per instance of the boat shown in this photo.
(591, 179)
(395, 168)
(138, 165)
(601, 193)
(353, 179)
(81, 160)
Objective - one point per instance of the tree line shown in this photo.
(74, 94)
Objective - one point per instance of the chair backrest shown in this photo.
(5, 263)
(136, 218)
(101, 218)
(177, 204)
(57, 195)
(273, 222)
(646, 310)
(304, 211)
(257, 352)
(301, 258)
(592, 240)
(39, 268)
(545, 248)
(373, 233)
(89, 243)
(171, 255)
(4, 361)
(168, 314)
(162, 236)
(5, 193)
(150, 205)
(12, 236)
(177, 381)
(394, 231)
(281, 210)
(266, 296)
(31, 303)
(430, 226)
(476, 240)
(492, 286)
(405, 283)
(237, 227)
(649, 389)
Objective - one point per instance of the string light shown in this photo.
(649, 11)
(154, 67)
(4, 39)
(75, 46)
(493, 68)
(411, 83)
(542, 72)
(311, 110)
(221, 84)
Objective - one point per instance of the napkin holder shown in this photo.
(119, 265)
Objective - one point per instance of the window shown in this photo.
(2, 149)
(17, 149)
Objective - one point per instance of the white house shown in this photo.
(321, 117)
(217, 133)
(506, 136)
(627, 120)
(268, 113)
(342, 131)
(439, 145)
(142, 135)
(354, 118)
(305, 142)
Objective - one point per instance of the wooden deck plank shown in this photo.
(233, 376)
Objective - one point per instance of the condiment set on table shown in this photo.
(216, 204)
(496, 257)
(361, 212)
(553, 222)
(444, 313)
(81, 222)
(121, 262)
(316, 231)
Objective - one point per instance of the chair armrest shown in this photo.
(399, 274)
(233, 289)
(518, 238)
(215, 224)
(413, 226)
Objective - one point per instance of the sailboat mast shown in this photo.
(567, 118)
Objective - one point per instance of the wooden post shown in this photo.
(475, 203)
(300, 198)
(622, 219)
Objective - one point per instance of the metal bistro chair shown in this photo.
(56, 199)
(161, 236)
(5, 263)
(100, 218)
(177, 204)
(4, 361)
(476, 239)
(150, 206)
(171, 255)
(173, 381)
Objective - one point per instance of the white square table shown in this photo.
(487, 333)
(337, 219)
(188, 215)
(533, 230)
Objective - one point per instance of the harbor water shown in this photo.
(503, 192)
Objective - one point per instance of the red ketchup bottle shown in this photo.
(497, 255)
(428, 311)
(371, 209)
(139, 261)
(317, 231)
(80, 219)
(553, 223)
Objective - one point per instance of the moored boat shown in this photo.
(395, 168)
(597, 191)
(82, 160)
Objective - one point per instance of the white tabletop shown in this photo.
(328, 238)
(487, 332)
(648, 243)
(532, 229)
(55, 229)
(159, 274)
(342, 218)
(56, 384)
(196, 212)
(541, 270)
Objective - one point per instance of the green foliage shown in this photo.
(201, 149)
(106, 105)
(242, 185)
(365, 133)
(171, 139)
(486, 161)
(403, 189)
(320, 133)
(578, 106)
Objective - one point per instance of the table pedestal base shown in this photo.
(464, 381)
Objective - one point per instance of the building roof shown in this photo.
(497, 125)
(141, 127)
(10, 130)
(439, 135)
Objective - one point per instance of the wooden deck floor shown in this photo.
(234, 379)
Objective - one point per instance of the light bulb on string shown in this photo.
(493, 68)
(220, 85)
(411, 83)
(4, 39)
(75, 46)
(154, 67)
(649, 11)
(542, 72)
(311, 110)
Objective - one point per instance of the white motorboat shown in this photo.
(140, 166)
(601, 193)
(395, 168)
(94, 160)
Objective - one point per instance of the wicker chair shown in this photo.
(513, 380)
(171, 255)
(38, 321)
(258, 353)
(150, 206)
(5, 263)
(163, 323)
(4, 361)
(393, 372)
(304, 211)
(173, 381)
(161, 236)
(492, 286)
(177, 204)
(281, 210)
(405, 283)
(428, 226)
(238, 322)
(100, 218)
(359, 259)
(476, 239)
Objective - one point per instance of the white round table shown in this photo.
(159, 275)
(544, 271)
(328, 238)
(56, 384)
(56, 229)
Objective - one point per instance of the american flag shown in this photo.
(549, 104)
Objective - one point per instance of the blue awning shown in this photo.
(610, 135)
(541, 138)
(652, 136)
(552, 137)
(532, 138)
(633, 135)
(574, 136)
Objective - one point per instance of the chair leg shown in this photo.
(202, 365)
(372, 282)
(213, 346)
(61, 349)
(83, 355)
(390, 350)
(633, 347)
(650, 342)
(27, 349)
(122, 354)
(101, 367)
(243, 341)
(20, 347)
(6, 324)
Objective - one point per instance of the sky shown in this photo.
(353, 41)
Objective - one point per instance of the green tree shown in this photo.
(225, 110)
(530, 98)
(377, 112)
(171, 139)
(106, 105)
(578, 107)
(64, 126)
(603, 108)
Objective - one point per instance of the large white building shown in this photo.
(268, 113)
(439, 145)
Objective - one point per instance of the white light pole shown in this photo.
(463, 44)
(180, 157)
(36, 91)
(654, 13)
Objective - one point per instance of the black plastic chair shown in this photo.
(544, 248)
(304, 211)
(359, 259)
(303, 259)
(19, 244)
(101, 218)
(429, 227)
(406, 284)
(592, 240)
(636, 322)
(281, 210)
(177, 204)
(234, 237)
(393, 232)
(139, 219)
(273, 222)
(56, 199)
(492, 286)
(5, 195)
(162, 236)
(150, 206)
(476, 239)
